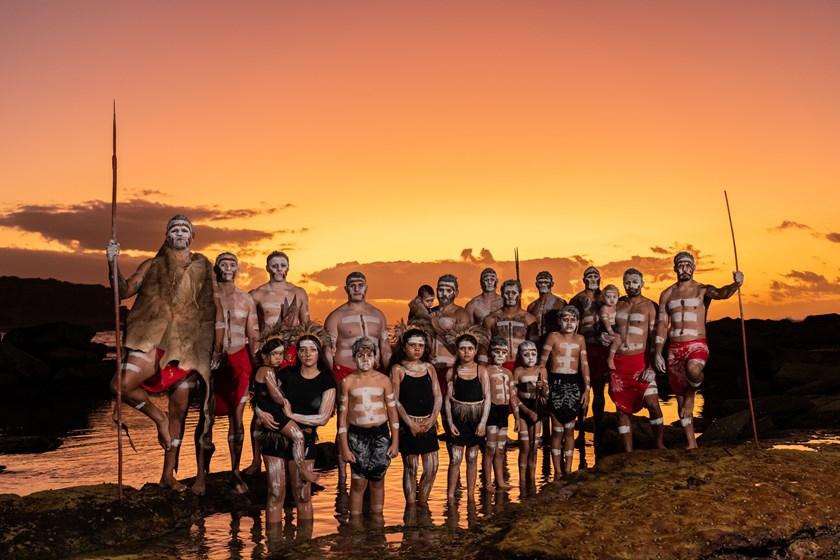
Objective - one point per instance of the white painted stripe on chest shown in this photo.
(637, 317)
(635, 330)
(687, 302)
(355, 319)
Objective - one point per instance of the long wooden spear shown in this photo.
(743, 327)
(116, 285)
(516, 258)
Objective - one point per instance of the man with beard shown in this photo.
(511, 322)
(546, 302)
(633, 382)
(682, 320)
(169, 341)
(445, 316)
(349, 322)
(277, 300)
(488, 300)
(237, 336)
(597, 353)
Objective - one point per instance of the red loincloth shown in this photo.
(289, 357)
(627, 390)
(509, 365)
(230, 381)
(164, 377)
(340, 372)
(679, 353)
(441, 375)
(596, 357)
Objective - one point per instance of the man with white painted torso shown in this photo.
(546, 302)
(682, 320)
(488, 300)
(587, 302)
(512, 322)
(445, 316)
(633, 382)
(346, 324)
(278, 299)
(237, 336)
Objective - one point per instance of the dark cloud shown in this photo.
(833, 237)
(804, 285)
(140, 224)
(660, 250)
(787, 224)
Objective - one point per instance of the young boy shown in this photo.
(366, 410)
(606, 314)
(497, 423)
(531, 384)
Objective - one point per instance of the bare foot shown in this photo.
(503, 486)
(172, 483)
(489, 487)
(252, 469)
(198, 488)
(164, 439)
(307, 475)
(238, 484)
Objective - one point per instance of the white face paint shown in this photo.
(446, 293)
(511, 296)
(592, 280)
(611, 298)
(466, 351)
(489, 281)
(633, 285)
(499, 355)
(568, 323)
(544, 285)
(684, 269)
(356, 290)
(529, 356)
(414, 347)
(179, 235)
(307, 352)
(364, 360)
(278, 268)
(227, 270)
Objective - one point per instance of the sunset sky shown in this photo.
(408, 139)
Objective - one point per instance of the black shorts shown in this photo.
(499, 414)
(370, 447)
(564, 396)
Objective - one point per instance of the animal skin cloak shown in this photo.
(175, 311)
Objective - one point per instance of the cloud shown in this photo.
(660, 250)
(787, 224)
(140, 224)
(833, 237)
(485, 257)
(804, 285)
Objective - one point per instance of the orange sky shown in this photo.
(383, 132)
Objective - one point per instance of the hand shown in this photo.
(393, 451)
(659, 362)
(349, 457)
(648, 375)
(112, 251)
(479, 431)
(216, 360)
(584, 398)
(532, 415)
(414, 427)
(453, 430)
(738, 276)
(266, 419)
(287, 408)
(606, 339)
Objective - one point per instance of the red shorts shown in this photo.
(596, 357)
(164, 377)
(441, 375)
(230, 381)
(679, 353)
(340, 372)
(627, 390)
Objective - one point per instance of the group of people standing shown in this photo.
(192, 327)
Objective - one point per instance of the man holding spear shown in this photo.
(682, 320)
(169, 339)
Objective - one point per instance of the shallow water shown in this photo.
(89, 456)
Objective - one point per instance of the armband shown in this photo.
(395, 425)
(659, 340)
(220, 325)
(342, 431)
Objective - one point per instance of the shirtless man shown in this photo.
(502, 397)
(349, 322)
(565, 354)
(546, 302)
(237, 336)
(366, 410)
(531, 381)
(276, 300)
(445, 316)
(512, 322)
(682, 319)
(587, 303)
(633, 382)
(169, 341)
(488, 300)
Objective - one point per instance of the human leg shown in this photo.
(430, 468)
(456, 455)
(137, 368)
(276, 477)
(410, 464)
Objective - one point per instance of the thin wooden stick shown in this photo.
(117, 331)
(743, 327)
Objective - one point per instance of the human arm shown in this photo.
(344, 447)
(384, 343)
(303, 311)
(324, 411)
(130, 286)
(485, 412)
(438, 402)
(450, 388)
(397, 374)
(546, 350)
(727, 291)
(252, 328)
(219, 334)
(584, 372)
(662, 323)
(331, 326)
(393, 419)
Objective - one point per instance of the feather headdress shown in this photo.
(462, 330)
(312, 329)
(402, 330)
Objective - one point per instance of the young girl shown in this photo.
(467, 408)
(531, 384)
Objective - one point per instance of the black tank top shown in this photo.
(468, 390)
(416, 395)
